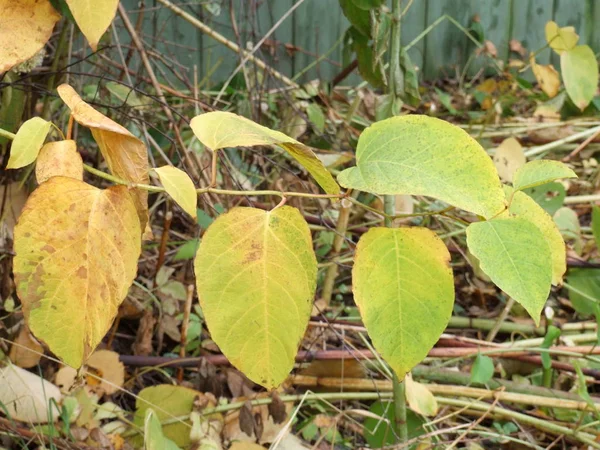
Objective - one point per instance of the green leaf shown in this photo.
(402, 280)
(187, 250)
(261, 265)
(219, 130)
(584, 289)
(596, 224)
(567, 222)
(549, 196)
(538, 172)
(383, 431)
(482, 370)
(421, 155)
(180, 187)
(168, 401)
(154, 439)
(580, 74)
(368, 4)
(514, 254)
(524, 206)
(358, 17)
(316, 116)
(28, 142)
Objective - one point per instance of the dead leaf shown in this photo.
(26, 351)
(109, 368)
(508, 158)
(517, 47)
(27, 397)
(126, 155)
(547, 77)
(143, 339)
(16, 196)
(277, 408)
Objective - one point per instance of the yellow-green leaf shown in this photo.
(126, 155)
(422, 155)
(28, 142)
(419, 398)
(154, 439)
(541, 171)
(220, 129)
(580, 74)
(401, 280)
(25, 27)
(256, 276)
(524, 206)
(169, 402)
(59, 159)
(93, 17)
(76, 256)
(180, 187)
(513, 252)
(560, 39)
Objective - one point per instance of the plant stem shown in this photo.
(7, 134)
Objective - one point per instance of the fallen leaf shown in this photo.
(25, 27)
(547, 77)
(27, 397)
(126, 155)
(26, 351)
(109, 368)
(508, 158)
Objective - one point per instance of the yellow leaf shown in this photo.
(59, 159)
(93, 17)
(419, 398)
(560, 39)
(547, 77)
(180, 187)
(219, 129)
(28, 142)
(508, 158)
(76, 256)
(126, 155)
(25, 27)
(256, 276)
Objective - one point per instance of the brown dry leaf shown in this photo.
(16, 196)
(59, 158)
(65, 379)
(246, 446)
(109, 368)
(547, 77)
(25, 27)
(270, 429)
(26, 351)
(508, 158)
(517, 47)
(546, 113)
(546, 135)
(126, 155)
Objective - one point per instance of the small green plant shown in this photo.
(77, 246)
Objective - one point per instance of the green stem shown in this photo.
(7, 134)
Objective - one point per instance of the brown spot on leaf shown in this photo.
(82, 272)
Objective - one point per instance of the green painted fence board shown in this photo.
(316, 25)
